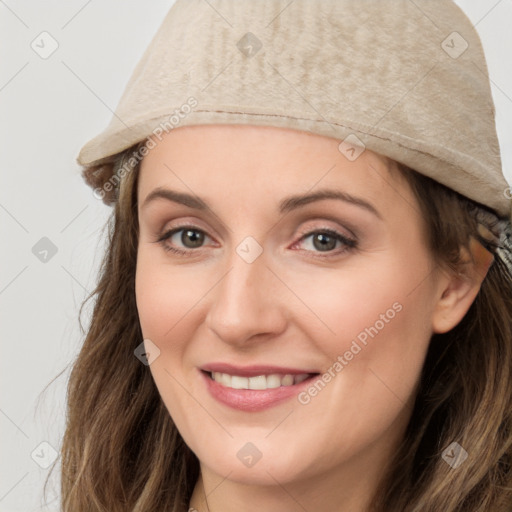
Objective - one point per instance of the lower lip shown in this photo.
(252, 400)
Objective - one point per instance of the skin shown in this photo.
(290, 307)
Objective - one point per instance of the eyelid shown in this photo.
(349, 243)
(345, 228)
(168, 233)
(164, 228)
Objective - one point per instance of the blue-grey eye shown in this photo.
(324, 241)
(191, 238)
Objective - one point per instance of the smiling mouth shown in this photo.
(258, 382)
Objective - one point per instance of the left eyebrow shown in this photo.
(293, 202)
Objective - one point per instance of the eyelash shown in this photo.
(350, 243)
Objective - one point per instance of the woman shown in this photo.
(306, 302)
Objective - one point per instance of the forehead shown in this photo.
(257, 164)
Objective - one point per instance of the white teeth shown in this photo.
(225, 379)
(239, 382)
(287, 380)
(258, 382)
(273, 381)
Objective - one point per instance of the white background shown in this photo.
(49, 109)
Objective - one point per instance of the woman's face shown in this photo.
(322, 306)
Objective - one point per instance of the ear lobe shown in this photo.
(458, 291)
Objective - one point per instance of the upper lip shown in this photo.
(253, 370)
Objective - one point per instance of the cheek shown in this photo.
(168, 302)
(165, 294)
(172, 302)
(373, 325)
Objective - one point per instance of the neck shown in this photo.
(198, 500)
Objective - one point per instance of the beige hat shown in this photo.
(405, 79)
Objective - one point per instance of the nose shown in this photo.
(247, 304)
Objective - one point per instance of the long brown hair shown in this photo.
(122, 452)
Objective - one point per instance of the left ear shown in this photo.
(458, 291)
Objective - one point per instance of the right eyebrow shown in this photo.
(176, 197)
